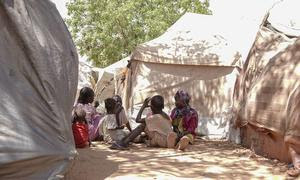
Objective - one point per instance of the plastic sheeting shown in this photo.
(38, 81)
(266, 96)
(266, 103)
(268, 44)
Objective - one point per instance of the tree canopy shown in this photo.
(108, 30)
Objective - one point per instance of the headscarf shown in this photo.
(189, 115)
(185, 98)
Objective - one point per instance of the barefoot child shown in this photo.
(157, 126)
(184, 120)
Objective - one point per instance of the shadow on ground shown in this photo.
(205, 159)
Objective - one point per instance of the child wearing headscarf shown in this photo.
(184, 120)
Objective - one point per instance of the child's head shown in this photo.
(118, 99)
(96, 104)
(79, 115)
(182, 99)
(157, 103)
(86, 95)
(110, 104)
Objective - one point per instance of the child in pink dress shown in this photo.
(85, 100)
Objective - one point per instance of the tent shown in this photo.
(38, 80)
(109, 81)
(88, 75)
(198, 54)
(266, 98)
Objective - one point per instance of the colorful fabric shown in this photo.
(81, 135)
(93, 118)
(184, 119)
(183, 95)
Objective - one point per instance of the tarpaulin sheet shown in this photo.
(268, 44)
(270, 101)
(38, 81)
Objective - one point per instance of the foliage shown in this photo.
(108, 30)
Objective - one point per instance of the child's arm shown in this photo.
(128, 126)
(139, 118)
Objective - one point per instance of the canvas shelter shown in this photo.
(266, 98)
(38, 81)
(88, 74)
(198, 54)
(110, 81)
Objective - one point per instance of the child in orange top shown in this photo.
(80, 129)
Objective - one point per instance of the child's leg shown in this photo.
(184, 141)
(171, 140)
(133, 134)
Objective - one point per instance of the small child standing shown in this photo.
(80, 129)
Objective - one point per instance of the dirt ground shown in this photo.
(204, 160)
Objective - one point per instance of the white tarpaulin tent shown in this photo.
(199, 53)
(285, 17)
(38, 80)
(88, 75)
(107, 79)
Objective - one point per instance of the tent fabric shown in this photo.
(197, 39)
(88, 75)
(38, 81)
(210, 87)
(285, 17)
(115, 67)
(198, 54)
(268, 103)
(107, 80)
(105, 85)
(110, 81)
(269, 91)
(268, 44)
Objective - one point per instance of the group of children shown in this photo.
(160, 129)
(88, 125)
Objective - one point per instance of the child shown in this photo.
(184, 120)
(120, 113)
(85, 100)
(80, 129)
(109, 128)
(157, 126)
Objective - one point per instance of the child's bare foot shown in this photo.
(183, 143)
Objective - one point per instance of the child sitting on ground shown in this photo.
(85, 100)
(120, 113)
(109, 128)
(80, 129)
